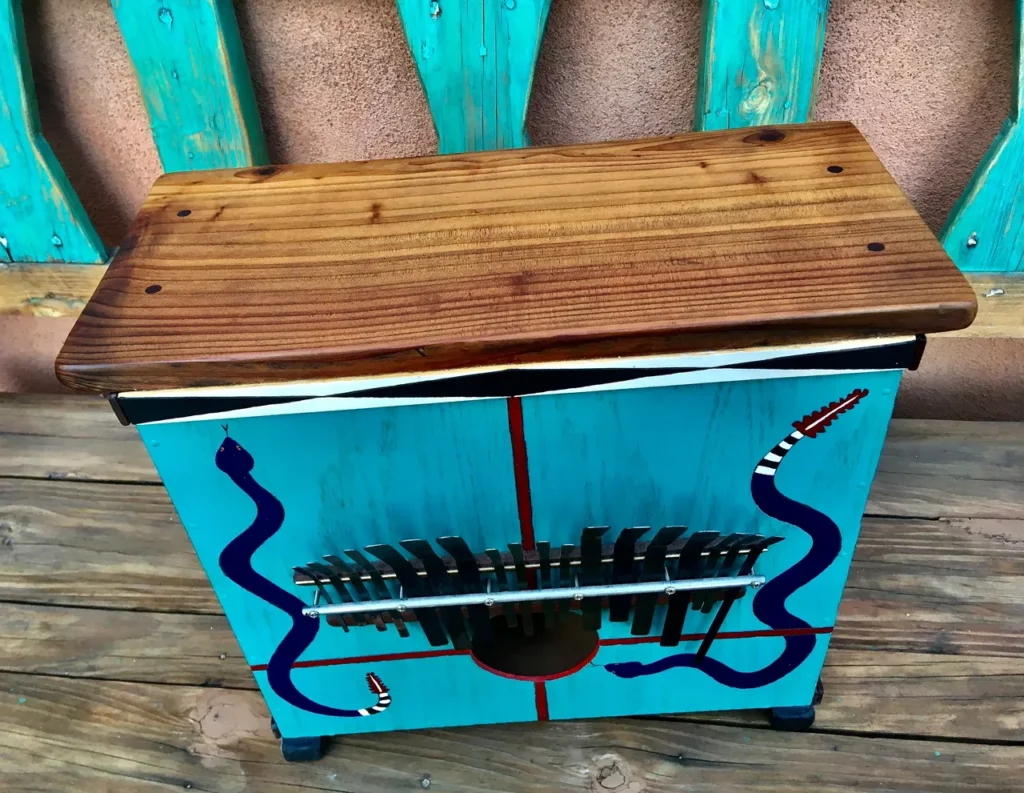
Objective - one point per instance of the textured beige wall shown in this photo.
(928, 83)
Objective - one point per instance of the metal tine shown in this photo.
(342, 568)
(342, 590)
(755, 550)
(622, 570)
(653, 568)
(712, 596)
(380, 587)
(718, 559)
(525, 608)
(709, 564)
(688, 567)
(323, 593)
(442, 583)
(565, 577)
(590, 568)
(469, 572)
(499, 573)
(413, 586)
(544, 557)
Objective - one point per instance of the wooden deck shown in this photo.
(119, 672)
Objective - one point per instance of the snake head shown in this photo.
(626, 669)
(232, 458)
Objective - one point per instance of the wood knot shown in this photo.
(765, 136)
(612, 774)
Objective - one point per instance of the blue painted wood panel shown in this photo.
(476, 60)
(759, 62)
(633, 456)
(41, 218)
(195, 82)
(985, 230)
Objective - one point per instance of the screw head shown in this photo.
(489, 602)
(670, 590)
(314, 615)
(578, 597)
(972, 240)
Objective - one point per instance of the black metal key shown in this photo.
(442, 583)
(342, 590)
(525, 608)
(503, 585)
(565, 577)
(590, 573)
(406, 575)
(380, 586)
(469, 572)
(544, 558)
(653, 569)
(760, 544)
(712, 596)
(622, 570)
(333, 622)
(687, 567)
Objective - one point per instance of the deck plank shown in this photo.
(144, 737)
(929, 469)
(89, 544)
(63, 436)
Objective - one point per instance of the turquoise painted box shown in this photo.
(516, 436)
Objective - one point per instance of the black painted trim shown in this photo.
(522, 382)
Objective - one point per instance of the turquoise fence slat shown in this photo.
(41, 218)
(759, 62)
(476, 60)
(195, 82)
(985, 230)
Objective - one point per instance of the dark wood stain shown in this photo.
(526, 255)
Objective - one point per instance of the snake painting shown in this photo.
(770, 602)
(236, 562)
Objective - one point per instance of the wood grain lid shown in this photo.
(694, 242)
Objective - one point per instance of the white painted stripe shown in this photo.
(773, 457)
(786, 445)
(330, 404)
(364, 712)
(796, 435)
(763, 469)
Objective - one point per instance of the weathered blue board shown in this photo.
(689, 448)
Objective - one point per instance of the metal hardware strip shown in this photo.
(576, 593)
(674, 552)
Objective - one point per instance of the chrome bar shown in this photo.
(576, 593)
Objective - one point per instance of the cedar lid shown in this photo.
(693, 242)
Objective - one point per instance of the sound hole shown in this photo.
(548, 654)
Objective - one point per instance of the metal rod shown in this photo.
(577, 593)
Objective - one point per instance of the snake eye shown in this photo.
(221, 449)
(239, 448)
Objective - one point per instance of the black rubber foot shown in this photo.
(792, 719)
(273, 729)
(302, 750)
(819, 693)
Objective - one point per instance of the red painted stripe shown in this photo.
(368, 659)
(686, 637)
(692, 637)
(522, 471)
(540, 694)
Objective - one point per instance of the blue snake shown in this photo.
(236, 562)
(770, 602)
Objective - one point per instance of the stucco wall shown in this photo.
(928, 83)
